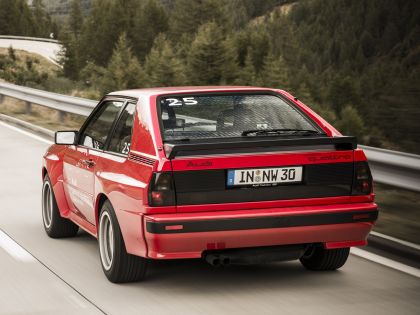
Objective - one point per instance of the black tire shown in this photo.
(54, 224)
(318, 258)
(117, 264)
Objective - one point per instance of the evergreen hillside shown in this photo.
(60, 9)
(354, 61)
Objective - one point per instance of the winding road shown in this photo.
(46, 49)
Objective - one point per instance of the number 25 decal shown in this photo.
(179, 102)
(189, 101)
(126, 148)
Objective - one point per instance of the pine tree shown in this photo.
(16, 18)
(230, 68)
(124, 70)
(76, 18)
(11, 53)
(342, 91)
(150, 21)
(247, 72)
(9, 12)
(101, 31)
(69, 56)
(41, 20)
(350, 122)
(210, 58)
(162, 66)
(237, 12)
(259, 40)
(188, 16)
(274, 73)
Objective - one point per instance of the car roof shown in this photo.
(185, 89)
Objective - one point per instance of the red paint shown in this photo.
(191, 245)
(332, 245)
(174, 227)
(79, 189)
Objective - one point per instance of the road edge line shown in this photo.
(27, 133)
(36, 259)
(396, 240)
(385, 262)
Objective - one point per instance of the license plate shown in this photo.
(264, 176)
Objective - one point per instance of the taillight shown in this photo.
(362, 181)
(161, 190)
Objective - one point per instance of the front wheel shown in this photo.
(54, 224)
(117, 264)
(318, 258)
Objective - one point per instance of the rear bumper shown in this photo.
(187, 235)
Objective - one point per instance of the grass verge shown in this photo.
(41, 116)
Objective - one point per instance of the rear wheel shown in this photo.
(319, 258)
(117, 264)
(54, 224)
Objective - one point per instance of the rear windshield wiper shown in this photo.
(279, 131)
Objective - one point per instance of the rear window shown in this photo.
(227, 116)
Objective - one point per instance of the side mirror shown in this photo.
(65, 137)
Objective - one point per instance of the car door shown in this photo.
(80, 159)
(117, 176)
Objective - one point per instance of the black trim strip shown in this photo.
(262, 222)
(173, 149)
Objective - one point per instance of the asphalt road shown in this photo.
(65, 276)
(45, 49)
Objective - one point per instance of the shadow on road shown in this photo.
(195, 275)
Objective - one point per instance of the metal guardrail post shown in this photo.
(28, 108)
(61, 116)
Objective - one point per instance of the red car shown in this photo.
(232, 175)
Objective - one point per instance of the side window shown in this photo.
(121, 138)
(96, 132)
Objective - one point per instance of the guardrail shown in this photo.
(37, 39)
(394, 168)
(62, 103)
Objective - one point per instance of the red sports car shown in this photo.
(232, 175)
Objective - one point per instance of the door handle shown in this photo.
(88, 163)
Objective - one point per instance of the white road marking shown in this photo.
(396, 240)
(26, 133)
(385, 262)
(14, 249)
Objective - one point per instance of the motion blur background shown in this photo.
(355, 62)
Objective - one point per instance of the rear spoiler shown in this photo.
(220, 146)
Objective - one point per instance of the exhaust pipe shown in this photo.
(214, 260)
(254, 255)
(217, 260)
(225, 261)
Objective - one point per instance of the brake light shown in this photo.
(362, 181)
(161, 190)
